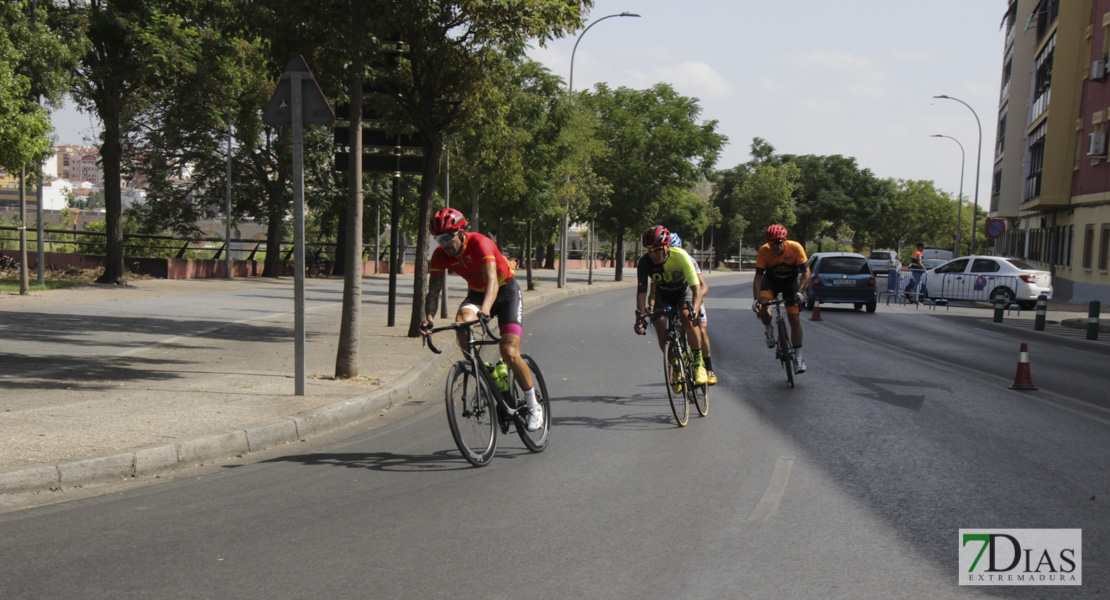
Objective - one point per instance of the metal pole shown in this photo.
(40, 254)
(960, 205)
(562, 278)
(394, 241)
(978, 161)
(447, 204)
(298, 234)
(227, 215)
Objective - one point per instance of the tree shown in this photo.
(143, 56)
(453, 44)
(34, 62)
(654, 148)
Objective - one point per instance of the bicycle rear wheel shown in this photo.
(674, 365)
(471, 414)
(536, 440)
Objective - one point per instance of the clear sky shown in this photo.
(849, 77)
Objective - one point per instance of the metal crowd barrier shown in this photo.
(898, 286)
(971, 287)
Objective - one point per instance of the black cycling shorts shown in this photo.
(671, 299)
(788, 287)
(508, 307)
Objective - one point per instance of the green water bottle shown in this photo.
(501, 376)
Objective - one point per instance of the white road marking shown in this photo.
(769, 504)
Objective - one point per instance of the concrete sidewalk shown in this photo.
(103, 384)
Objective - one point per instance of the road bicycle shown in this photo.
(784, 350)
(477, 406)
(678, 366)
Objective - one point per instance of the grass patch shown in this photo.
(12, 285)
(53, 279)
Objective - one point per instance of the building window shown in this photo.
(1104, 247)
(1088, 245)
(1042, 80)
(1001, 135)
(1036, 162)
(1071, 242)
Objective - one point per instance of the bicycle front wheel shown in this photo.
(536, 440)
(677, 382)
(786, 353)
(700, 398)
(471, 414)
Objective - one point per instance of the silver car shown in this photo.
(882, 261)
(978, 278)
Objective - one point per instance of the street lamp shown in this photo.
(978, 160)
(960, 205)
(563, 246)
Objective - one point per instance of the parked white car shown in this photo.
(882, 261)
(977, 278)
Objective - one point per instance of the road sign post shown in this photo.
(298, 101)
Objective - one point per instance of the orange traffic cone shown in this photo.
(1023, 380)
(816, 316)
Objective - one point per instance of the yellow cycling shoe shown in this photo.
(701, 377)
(676, 380)
(711, 376)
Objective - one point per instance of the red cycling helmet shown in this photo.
(656, 236)
(447, 220)
(776, 233)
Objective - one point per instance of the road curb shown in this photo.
(157, 459)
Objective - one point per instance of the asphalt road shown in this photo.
(852, 485)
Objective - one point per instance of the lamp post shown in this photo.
(978, 161)
(564, 245)
(960, 205)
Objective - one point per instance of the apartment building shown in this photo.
(1051, 181)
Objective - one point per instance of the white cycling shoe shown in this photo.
(534, 421)
(800, 366)
(770, 334)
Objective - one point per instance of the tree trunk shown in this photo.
(619, 258)
(346, 357)
(339, 262)
(275, 230)
(549, 259)
(433, 151)
(111, 156)
(528, 258)
(474, 210)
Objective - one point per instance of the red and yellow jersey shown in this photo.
(790, 263)
(477, 250)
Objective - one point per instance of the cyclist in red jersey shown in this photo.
(492, 291)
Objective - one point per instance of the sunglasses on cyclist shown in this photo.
(445, 239)
(658, 249)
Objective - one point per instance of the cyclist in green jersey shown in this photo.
(676, 281)
(703, 318)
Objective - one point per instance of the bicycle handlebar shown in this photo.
(670, 310)
(483, 320)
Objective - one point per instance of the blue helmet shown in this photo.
(676, 242)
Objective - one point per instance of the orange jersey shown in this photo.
(477, 250)
(790, 263)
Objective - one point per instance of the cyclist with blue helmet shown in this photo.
(676, 279)
(711, 377)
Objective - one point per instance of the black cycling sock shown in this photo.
(708, 363)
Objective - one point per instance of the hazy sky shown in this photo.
(849, 77)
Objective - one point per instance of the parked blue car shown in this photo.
(842, 277)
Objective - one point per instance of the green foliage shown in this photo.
(34, 61)
(655, 150)
(833, 203)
